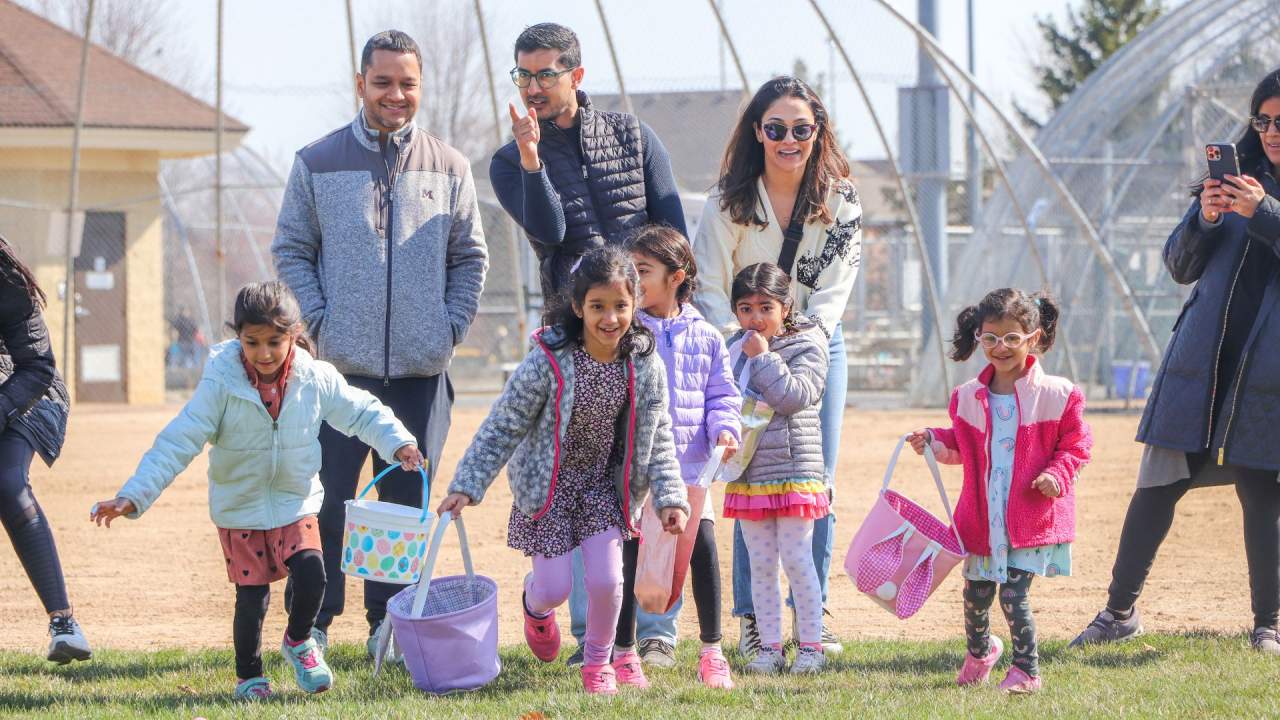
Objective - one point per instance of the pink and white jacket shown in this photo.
(1053, 438)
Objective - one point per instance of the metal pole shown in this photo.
(351, 44)
(733, 51)
(933, 305)
(73, 199)
(1118, 281)
(522, 327)
(613, 53)
(926, 147)
(219, 254)
(971, 148)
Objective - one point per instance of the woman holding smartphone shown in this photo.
(1213, 409)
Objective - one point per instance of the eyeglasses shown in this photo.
(1013, 340)
(1262, 122)
(546, 78)
(777, 132)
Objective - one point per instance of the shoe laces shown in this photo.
(596, 679)
(649, 645)
(62, 625)
(308, 658)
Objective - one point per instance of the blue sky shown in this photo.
(287, 70)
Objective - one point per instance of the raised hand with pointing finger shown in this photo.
(527, 134)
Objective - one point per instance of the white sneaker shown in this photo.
(748, 637)
(67, 642)
(809, 661)
(830, 643)
(322, 639)
(768, 661)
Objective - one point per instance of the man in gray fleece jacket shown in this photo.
(379, 237)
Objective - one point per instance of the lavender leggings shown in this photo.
(548, 586)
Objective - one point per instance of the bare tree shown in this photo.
(455, 96)
(140, 31)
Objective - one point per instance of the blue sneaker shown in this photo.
(308, 663)
(253, 689)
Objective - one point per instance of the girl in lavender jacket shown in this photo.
(705, 411)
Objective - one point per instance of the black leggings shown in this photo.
(26, 523)
(1014, 602)
(704, 567)
(306, 571)
(1150, 516)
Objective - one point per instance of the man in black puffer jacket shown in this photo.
(33, 418)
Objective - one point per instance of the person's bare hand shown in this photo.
(1246, 194)
(729, 443)
(453, 504)
(108, 510)
(917, 440)
(410, 458)
(754, 344)
(673, 519)
(1047, 485)
(527, 134)
(1213, 200)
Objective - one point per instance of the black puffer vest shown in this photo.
(602, 192)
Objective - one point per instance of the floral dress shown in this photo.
(1045, 560)
(585, 502)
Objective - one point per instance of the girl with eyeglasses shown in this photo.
(785, 197)
(1212, 413)
(1021, 436)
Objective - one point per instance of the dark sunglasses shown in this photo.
(777, 132)
(547, 79)
(1262, 122)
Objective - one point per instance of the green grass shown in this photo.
(1192, 676)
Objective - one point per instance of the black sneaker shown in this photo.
(66, 642)
(576, 659)
(1107, 628)
(657, 652)
(1265, 640)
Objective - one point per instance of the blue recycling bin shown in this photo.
(1123, 381)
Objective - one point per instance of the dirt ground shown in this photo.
(159, 582)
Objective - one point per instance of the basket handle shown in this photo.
(426, 485)
(937, 481)
(428, 568)
(711, 468)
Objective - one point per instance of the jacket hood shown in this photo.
(688, 316)
(224, 366)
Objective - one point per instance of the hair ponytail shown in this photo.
(963, 342)
(1049, 313)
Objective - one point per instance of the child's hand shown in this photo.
(1047, 485)
(108, 510)
(453, 504)
(754, 344)
(917, 440)
(673, 519)
(410, 458)
(729, 442)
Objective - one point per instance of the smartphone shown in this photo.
(1223, 160)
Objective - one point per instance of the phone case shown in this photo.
(1222, 160)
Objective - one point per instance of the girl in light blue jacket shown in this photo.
(260, 404)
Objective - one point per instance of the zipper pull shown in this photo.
(1222, 451)
(584, 172)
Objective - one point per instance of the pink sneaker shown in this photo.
(599, 680)
(976, 670)
(713, 669)
(627, 668)
(1017, 682)
(542, 634)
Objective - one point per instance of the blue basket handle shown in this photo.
(426, 486)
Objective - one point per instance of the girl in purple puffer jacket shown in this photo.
(705, 411)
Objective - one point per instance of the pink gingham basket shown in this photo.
(902, 553)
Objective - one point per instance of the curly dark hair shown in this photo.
(1033, 312)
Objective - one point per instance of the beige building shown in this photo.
(132, 121)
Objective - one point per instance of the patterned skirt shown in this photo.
(806, 498)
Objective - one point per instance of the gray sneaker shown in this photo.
(1265, 640)
(748, 637)
(767, 661)
(576, 659)
(1107, 628)
(831, 644)
(66, 641)
(657, 652)
(809, 661)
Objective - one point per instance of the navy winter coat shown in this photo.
(1178, 415)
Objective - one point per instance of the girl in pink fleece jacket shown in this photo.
(1021, 436)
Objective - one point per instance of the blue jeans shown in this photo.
(831, 415)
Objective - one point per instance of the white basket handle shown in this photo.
(428, 568)
(937, 481)
(711, 467)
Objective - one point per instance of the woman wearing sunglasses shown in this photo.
(1213, 411)
(785, 197)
